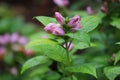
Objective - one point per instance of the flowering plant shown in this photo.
(69, 34)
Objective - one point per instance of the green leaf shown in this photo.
(45, 20)
(89, 23)
(53, 76)
(85, 68)
(39, 71)
(49, 48)
(112, 72)
(116, 22)
(118, 43)
(117, 57)
(34, 62)
(81, 40)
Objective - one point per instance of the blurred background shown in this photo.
(17, 28)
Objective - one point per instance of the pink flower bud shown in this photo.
(50, 27)
(103, 9)
(5, 39)
(13, 71)
(54, 29)
(23, 40)
(59, 18)
(74, 21)
(76, 27)
(28, 52)
(58, 31)
(69, 44)
(61, 3)
(14, 37)
(89, 10)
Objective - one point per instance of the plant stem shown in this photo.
(67, 52)
(68, 56)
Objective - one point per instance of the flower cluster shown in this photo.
(61, 3)
(16, 43)
(14, 38)
(57, 28)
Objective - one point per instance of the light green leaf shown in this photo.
(112, 72)
(117, 57)
(34, 62)
(81, 40)
(85, 68)
(49, 48)
(118, 43)
(39, 71)
(116, 22)
(80, 35)
(80, 45)
(45, 20)
(89, 23)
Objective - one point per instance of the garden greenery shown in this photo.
(77, 31)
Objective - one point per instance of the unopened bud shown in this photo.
(61, 3)
(59, 18)
(103, 9)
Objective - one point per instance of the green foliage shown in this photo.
(112, 72)
(81, 40)
(49, 48)
(89, 23)
(116, 22)
(45, 20)
(84, 68)
(34, 62)
(117, 57)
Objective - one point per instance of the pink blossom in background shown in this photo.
(5, 39)
(61, 3)
(70, 45)
(89, 10)
(28, 52)
(14, 37)
(1, 40)
(23, 40)
(59, 18)
(103, 9)
(13, 71)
